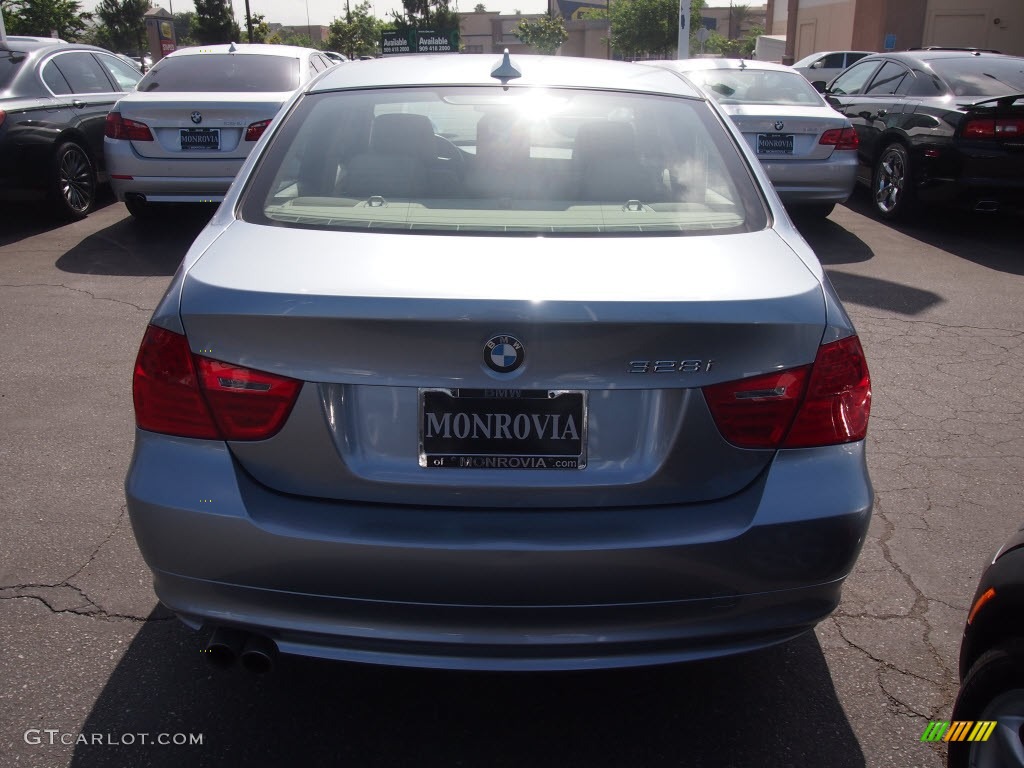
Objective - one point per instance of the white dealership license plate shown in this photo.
(503, 429)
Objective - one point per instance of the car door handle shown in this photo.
(883, 112)
(78, 103)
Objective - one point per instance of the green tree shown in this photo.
(650, 27)
(183, 22)
(356, 35)
(122, 24)
(738, 16)
(41, 18)
(750, 42)
(214, 23)
(479, 8)
(425, 14)
(544, 35)
(260, 28)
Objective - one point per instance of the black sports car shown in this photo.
(936, 126)
(54, 99)
(992, 665)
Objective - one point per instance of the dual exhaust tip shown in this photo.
(256, 652)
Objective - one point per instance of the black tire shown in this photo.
(73, 182)
(813, 212)
(892, 186)
(992, 690)
(139, 208)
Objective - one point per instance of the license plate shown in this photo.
(503, 429)
(200, 138)
(775, 143)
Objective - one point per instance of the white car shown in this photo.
(184, 133)
(826, 65)
(808, 150)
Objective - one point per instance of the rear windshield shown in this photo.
(981, 76)
(216, 72)
(495, 161)
(10, 62)
(734, 86)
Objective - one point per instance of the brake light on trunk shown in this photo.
(117, 127)
(826, 403)
(254, 131)
(840, 138)
(994, 128)
(178, 393)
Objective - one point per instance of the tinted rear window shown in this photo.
(982, 76)
(222, 72)
(521, 161)
(753, 86)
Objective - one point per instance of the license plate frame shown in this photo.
(204, 146)
(786, 140)
(513, 428)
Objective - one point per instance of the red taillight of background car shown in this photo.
(826, 403)
(994, 128)
(3, 116)
(178, 393)
(840, 138)
(118, 127)
(254, 131)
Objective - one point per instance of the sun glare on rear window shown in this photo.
(495, 161)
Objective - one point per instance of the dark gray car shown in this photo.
(494, 364)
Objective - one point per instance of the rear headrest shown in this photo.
(502, 140)
(603, 139)
(404, 134)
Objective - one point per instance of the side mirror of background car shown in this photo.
(819, 86)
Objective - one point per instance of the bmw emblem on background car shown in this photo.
(197, 117)
(503, 354)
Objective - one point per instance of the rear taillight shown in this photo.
(823, 404)
(757, 412)
(254, 131)
(178, 393)
(994, 128)
(246, 404)
(3, 116)
(118, 127)
(840, 138)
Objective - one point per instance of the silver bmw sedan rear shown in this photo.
(808, 149)
(501, 364)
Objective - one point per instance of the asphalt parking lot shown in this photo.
(86, 651)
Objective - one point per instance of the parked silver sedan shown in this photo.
(184, 133)
(500, 364)
(807, 148)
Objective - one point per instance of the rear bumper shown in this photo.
(814, 181)
(499, 589)
(168, 180)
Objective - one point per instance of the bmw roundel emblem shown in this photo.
(779, 125)
(503, 354)
(197, 117)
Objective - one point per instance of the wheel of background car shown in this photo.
(821, 211)
(993, 691)
(892, 187)
(73, 187)
(139, 208)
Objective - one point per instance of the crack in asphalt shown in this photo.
(89, 607)
(90, 294)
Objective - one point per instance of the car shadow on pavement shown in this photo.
(24, 220)
(988, 239)
(832, 243)
(138, 248)
(775, 707)
(882, 294)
